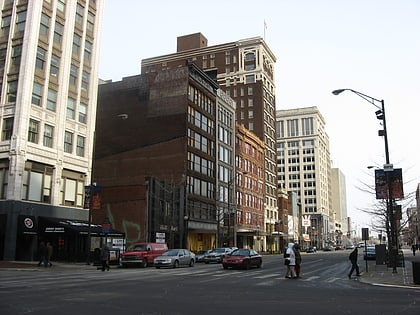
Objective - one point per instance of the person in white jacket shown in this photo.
(290, 261)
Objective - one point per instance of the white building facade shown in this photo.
(304, 167)
(49, 76)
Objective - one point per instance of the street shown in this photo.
(203, 289)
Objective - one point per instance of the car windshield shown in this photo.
(201, 252)
(218, 250)
(136, 247)
(172, 252)
(240, 252)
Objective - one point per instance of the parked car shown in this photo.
(175, 258)
(199, 256)
(369, 253)
(339, 247)
(142, 254)
(328, 248)
(349, 246)
(217, 255)
(242, 258)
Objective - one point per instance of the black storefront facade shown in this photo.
(24, 225)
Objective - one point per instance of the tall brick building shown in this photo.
(156, 158)
(244, 70)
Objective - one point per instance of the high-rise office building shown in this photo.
(48, 77)
(304, 167)
(244, 69)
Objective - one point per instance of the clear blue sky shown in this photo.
(372, 46)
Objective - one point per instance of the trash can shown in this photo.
(416, 272)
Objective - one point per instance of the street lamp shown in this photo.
(380, 114)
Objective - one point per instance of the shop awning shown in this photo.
(58, 225)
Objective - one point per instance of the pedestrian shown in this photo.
(298, 259)
(353, 260)
(290, 261)
(105, 257)
(49, 254)
(42, 252)
(414, 247)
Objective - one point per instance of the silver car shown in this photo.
(217, 255)
(175, 258)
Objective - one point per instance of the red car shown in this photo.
(242, 258)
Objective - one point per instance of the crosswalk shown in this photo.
(68, 279)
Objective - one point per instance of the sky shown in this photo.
(370, 46)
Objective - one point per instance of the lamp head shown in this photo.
(336, 92)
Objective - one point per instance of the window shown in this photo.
(48, 136)
(88, 52)
(11, 91)
(251, 114)
(85, 80)
(76, 44)
(250, 57)
(68, 142)
(250, 102)
(37, 94)
(16, 55)
(80, 146)
(7, 131)
(45, 25)
(40, 58)
(58, 33)
(71, 191)
(20, 22)
(280, 128)
(55, 63)
(250, 91)
(79, 14)
(292, 128)
(33, 131)
(249, 79)
(90, 21)
(82, 113)
(5, 25)
(61, 5)
(51, 100)
(308, 126)
(37, 182)
(73, 75)
(71, 107)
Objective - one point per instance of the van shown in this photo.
(142, 254)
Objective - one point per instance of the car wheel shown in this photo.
(225, 267)
(157, 267)
(176, 264)
(259, 264)
(192, 263)
(144, 263)
(206, 262)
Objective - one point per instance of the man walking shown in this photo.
(353, 260)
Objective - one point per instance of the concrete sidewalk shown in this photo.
(381, 275)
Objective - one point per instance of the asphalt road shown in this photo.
(203, 289)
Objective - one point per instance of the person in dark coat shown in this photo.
(43, 253)
(105, 257)
(354, 266)
(298, 259)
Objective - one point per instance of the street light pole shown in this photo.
(380, 114)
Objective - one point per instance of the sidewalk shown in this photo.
(381, 275)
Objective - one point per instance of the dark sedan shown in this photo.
(242, 258)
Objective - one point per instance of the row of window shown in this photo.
(201, 100)
(38, 181)
(307, 127)
(71, 142)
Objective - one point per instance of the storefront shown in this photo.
(69, 238)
